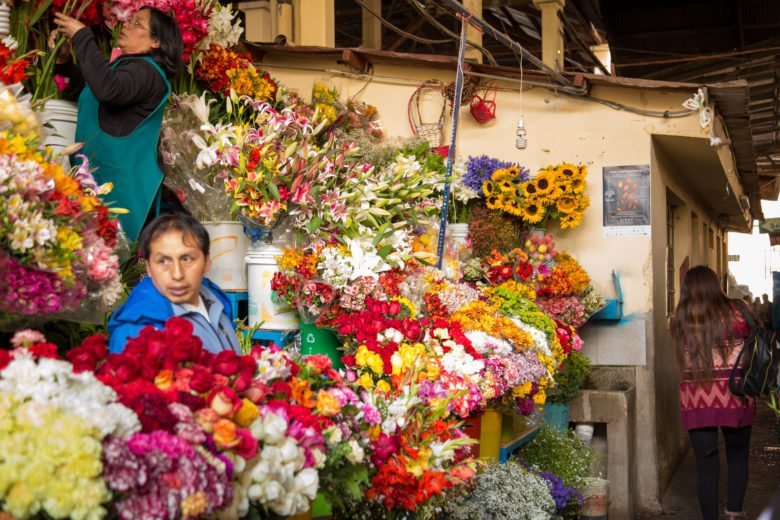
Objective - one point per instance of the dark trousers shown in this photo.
(705, 447)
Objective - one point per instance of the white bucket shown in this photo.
(261, 266)
(595, 503)
(227, 251)
(60, 118)
(585, 432)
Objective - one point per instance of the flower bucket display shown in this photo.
(227, 252)
(264, 307)
(472, 426)
(490, 434)
(60, 119)
(595, 503)
(315, 340)
(556, 415)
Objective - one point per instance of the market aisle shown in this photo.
(680, 502)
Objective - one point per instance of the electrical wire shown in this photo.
(575, 93)
(433, 21)
(400, 31)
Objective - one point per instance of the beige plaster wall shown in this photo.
(561, 128)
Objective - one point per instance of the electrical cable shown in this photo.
(433, 21)
(398, 30)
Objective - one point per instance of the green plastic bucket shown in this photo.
(315, 340)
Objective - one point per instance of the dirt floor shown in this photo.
(680, 502)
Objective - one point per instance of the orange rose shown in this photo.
(225, 434)
(206, 417)
(302, 393)
(224, 401)
(164, 379)
(327, 404)
(246, 414)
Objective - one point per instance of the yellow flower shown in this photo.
(522, 390)
(246, 414)
(571, 221)
(513, 207)
(543, 182)
(489, 188)
(568, 170)
(432, 369)
(528, 189)
(327, 404)
(69, 239)
(366, 381)
(533, 213)
(566, 204)
(540, 397)
(406, 303)
(578, 185)
(506, 186)
(372, 360)
(406, 357)
(383, 387)
(495, 202)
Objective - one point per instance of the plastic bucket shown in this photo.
(556, 416)
(264, 306)
(595, 503)
(490, 435)
(228, 250)
(60, 118)
(315, 340)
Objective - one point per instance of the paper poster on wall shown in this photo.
(626, 195)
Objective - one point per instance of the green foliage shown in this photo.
(560, 453)
(569, 378)
(490, 229)
(503, 491)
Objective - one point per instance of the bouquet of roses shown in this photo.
(224, 71)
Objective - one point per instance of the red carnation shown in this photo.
(44, 350)
(227, 363)
(202, 379)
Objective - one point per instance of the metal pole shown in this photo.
(505, 39)
(453, 136)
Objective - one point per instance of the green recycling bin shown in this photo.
(315, 340)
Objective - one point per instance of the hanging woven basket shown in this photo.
(431, 131)
(483, 107)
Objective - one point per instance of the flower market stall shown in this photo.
(406, 385)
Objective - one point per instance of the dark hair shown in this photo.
(165, 30)
(703, 321)
(183, 222)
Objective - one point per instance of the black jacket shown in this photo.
(127, 93)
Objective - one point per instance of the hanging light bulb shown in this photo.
(5, 19)
(522, 138)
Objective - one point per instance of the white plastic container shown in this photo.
(228, 252)
(60, 119)
(455, 238)
(263, 307)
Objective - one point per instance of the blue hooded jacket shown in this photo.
(147, 306)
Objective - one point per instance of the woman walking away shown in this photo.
(709, 331)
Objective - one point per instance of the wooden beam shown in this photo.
(371, 27)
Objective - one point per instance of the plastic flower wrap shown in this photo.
(202, 194)
(16, 113)
(57, 239)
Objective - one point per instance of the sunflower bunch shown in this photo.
(555, 192)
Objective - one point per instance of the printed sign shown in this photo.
(626, 194)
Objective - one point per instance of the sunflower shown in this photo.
(578, 185)
(495, 202)
(506, 186)
(501, 174)
(528, 189)
(543, 182)
(571, 221)
(567, 170)
(513, 207)
(583, 171)
(489, 188)
(532, 213)
(566, 204)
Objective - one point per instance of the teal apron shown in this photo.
(129, 162)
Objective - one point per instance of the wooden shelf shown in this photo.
(511, 445)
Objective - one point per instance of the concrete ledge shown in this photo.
(616, 409)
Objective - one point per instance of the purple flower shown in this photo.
(480, 169)
(561, 494)
(30, 291)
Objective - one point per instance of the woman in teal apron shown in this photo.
(121, 107)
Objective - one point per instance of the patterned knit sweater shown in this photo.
(705, 405)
